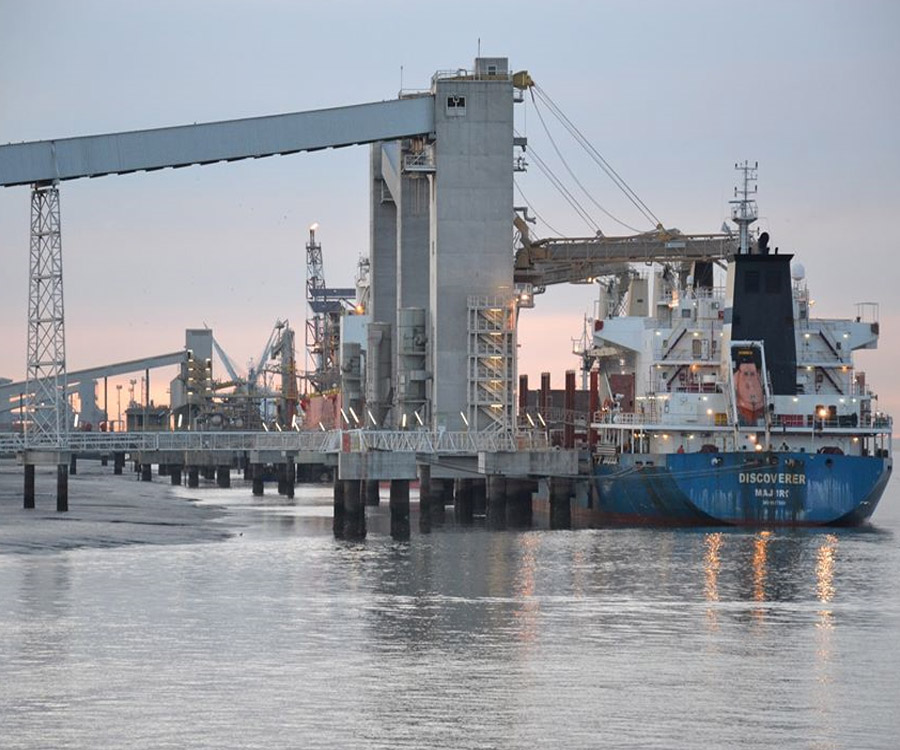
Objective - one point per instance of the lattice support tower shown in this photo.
(47, 422)
(492, 363)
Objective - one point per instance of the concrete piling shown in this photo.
(339, 513)
(438, 500)
(146, 473)
(175, 475)
(373, 493)
(29, 486)
(290, 476)
(258, 484)
(354, 510)
(496, 502)
(62, 488)
(463, 505)
(479, 497)
(118, 463)
(518, 503)
(424, 499)
(399, 506)
(223, 476)
(73, 465)
(560, 506)
(193, 477)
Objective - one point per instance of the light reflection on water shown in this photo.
(283, 637)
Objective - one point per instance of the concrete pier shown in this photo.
(373, 493)
(438, 504)
(560, 506)
(146, 472)
(175, 475)
(223, 476)
(339, 513)
(518, 503)
(479, 497)
(258, 484)
(399, 506)
(193, 477)
(29, 486)
(463, 502)
(496, 502)
(290, 477)
(118, 463)
(354, 510)
(62, 488)
(424, 499)
(73, 465)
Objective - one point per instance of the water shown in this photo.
(265, 632)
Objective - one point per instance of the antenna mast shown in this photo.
(744, 211)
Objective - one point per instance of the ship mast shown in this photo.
(744, 211)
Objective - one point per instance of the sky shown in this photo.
(672, 94)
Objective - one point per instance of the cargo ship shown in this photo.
(724, 402)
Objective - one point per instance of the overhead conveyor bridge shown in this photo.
(560, 261)
(49, 161)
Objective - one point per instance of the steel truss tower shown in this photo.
(47, 423)
(323, 329)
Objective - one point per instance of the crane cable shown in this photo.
(534, 210)
(571, 173)
(595, 155)
(564, 191)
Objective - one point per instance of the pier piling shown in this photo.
(62, 488)
(399, 506)
(560, 507)
(290, 476)
(373, 493)
(193, 477)
(424, 499)
(463, 505)
(146, 473)
(496, 502)
(175, 475)
(29, 486)
(518, 503)
(354, 510)
(479, 497)
(339, 513)
(73, 465)
(223, 476)
(258, 483)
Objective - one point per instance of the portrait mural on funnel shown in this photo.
(749, 396)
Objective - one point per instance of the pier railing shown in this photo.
(332, 441)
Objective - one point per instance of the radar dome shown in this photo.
(798, 272)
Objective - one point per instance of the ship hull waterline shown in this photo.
(734, 489)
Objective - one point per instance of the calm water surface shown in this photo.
(281, 637)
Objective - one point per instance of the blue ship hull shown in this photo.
(768, 489)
